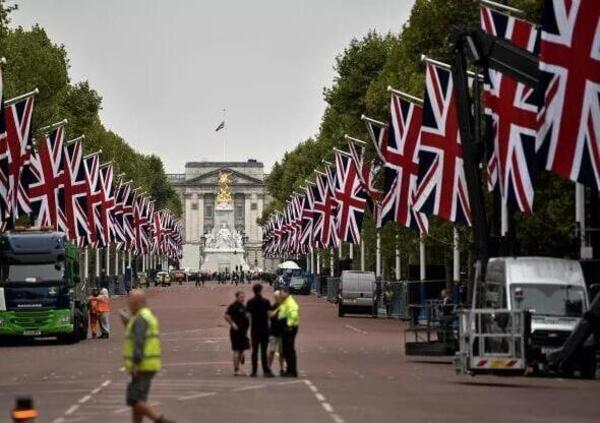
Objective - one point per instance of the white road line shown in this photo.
(194, 396)
(322, 400)
(85, 399)
(71, 410)
(357, 330)
(327, 407)
(247, 388)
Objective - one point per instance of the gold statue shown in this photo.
(224, 195)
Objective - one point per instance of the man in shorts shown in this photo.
(237, 317)
(141, 352)
(275, 333)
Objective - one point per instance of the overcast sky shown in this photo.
(167, 69)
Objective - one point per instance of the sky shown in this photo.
(170, 71)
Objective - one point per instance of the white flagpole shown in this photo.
(378, 255)
(86, 264)
(456, 258)
(397, 258)
(422, 258)
(331, 262)
(362, 255)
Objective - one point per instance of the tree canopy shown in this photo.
(364, 70)
(35, 61)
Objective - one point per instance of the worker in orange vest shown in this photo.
(93, 310)
(104, 312)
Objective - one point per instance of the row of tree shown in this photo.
(33, 60)
(364, 71)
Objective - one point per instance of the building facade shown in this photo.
(198, 186)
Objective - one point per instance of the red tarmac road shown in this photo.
(352, 370)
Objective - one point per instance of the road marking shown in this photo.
(72, 409)
(247, 388)
(85, 399)
(357, 330)
(322, 400)
(194, 396)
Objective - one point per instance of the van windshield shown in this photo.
(549, 299)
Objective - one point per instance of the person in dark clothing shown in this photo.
(237, 318)
(258, 307)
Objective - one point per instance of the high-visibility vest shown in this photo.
(151, 352)
(103, 305)
(289, 311)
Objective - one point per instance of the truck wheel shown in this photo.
(340, 310)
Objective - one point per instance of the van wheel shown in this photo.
(340, 311)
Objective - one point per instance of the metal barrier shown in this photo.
(492, 341)
(432, 330)
(333, 285)
(392, 298)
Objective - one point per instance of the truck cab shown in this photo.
(552, 289)
(41, 292)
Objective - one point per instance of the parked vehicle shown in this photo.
(551, 296)
(143, 280)
(178, 276)
(41, 292)
(357, 293)
(163, 279)
(299, 285)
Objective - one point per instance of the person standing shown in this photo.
(258, 308)
(237, 318)
(289, 312)
(275, 332)
(103, 309)
(141, 353)
(93, 310)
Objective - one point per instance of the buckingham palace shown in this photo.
(198, 189)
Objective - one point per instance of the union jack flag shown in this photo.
(107, 206)
(308, 215)
(3, 148)
(570, 65)
(73, 207)
(142, 210)
(128, 222)
(18, 147)
(159, 236)
(121, 194)
(402, 165)
(325, 210)
(47, 175)
(93, 199)
(441, 187)
(513, 111)
(351, 198)
(366, 172)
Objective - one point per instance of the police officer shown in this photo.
(289, 312)
(141, 352)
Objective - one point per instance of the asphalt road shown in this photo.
(352, 370)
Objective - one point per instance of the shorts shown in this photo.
(239, 341)
(275, 344)
(139, 387)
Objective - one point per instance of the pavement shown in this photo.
(352, 369)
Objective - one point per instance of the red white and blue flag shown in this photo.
(402, 165)
(569, 136)
(47, 175)
(351, 199)
(442, 187)
(513, 111)
(72, 201)
(107, 205)
(17, 153)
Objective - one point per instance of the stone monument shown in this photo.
(224, 247)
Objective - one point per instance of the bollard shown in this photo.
(24, 410)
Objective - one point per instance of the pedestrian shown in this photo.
(388, 298)
(141, 352)
(237, 318)
(93, 310)
(104, 312)
(289, 312)
(258, 308)
(275, 332)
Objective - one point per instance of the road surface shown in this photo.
(352, 370)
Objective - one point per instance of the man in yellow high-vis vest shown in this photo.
(141, 352)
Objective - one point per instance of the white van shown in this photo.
(357, 293)
(552, 289)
